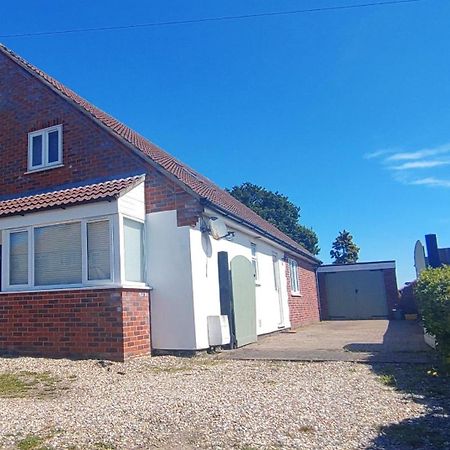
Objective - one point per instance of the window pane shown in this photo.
(134, 250)
(294, 275)
(18, 258)
(99, 250)
(36, 151)
(57, 254)
(53, 147)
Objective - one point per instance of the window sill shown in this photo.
(76, 288)
(296, 294)
(42, 169)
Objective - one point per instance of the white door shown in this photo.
(277, 281)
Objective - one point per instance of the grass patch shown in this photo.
(28, 384)
(31, 442)
(388, 380)
(104, 446)
(187, 365)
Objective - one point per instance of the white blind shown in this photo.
(57, 254)
(99, 250)
(134, 250)
(18, 258)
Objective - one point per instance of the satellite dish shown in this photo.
(218, 228)
(419, 258)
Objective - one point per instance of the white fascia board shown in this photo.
(235, 226)
(379, 265)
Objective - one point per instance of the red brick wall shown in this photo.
(392, 294)
(303, 308)
(323, 296)
(136, 323)
(89, 152)
(102, 323)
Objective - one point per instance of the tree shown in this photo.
(344, 250)
(277, 209)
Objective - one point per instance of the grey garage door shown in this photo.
(356, 295)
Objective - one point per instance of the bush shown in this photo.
(433, 295)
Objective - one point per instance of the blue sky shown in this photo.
(346, 112)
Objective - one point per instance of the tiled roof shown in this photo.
(68, 197)
(200, 185)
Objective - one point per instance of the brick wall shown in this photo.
(303, 308)
(101, 323)
(89, 152)
(392, 294)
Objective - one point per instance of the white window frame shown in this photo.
(254, 255)
(125, 282)
(45, 133)
(84, 256)
(294, 277)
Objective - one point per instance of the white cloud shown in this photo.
(419, 154)
(431, 181)
(426, 164)
(404, 165)
(377, 154)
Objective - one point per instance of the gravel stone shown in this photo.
(203, 402)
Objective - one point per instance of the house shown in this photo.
(366, 290)
(107, 241)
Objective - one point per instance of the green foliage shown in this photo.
(433, 295)
(344, 250)
(277, 209)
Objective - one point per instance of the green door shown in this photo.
(244, 300)
(356, 295)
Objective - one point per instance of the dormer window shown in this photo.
(45, 148)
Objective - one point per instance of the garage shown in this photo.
(358, 291)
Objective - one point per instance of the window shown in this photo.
(134, 250)
(99, 250)
(57, 254)
(293, 272)
(255, 262)
(276, 271)
(18, 258)
(65, 254)
(45, 148)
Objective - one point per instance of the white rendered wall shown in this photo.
(170, 276)
(132, 204)
(205, 277)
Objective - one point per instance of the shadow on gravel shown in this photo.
(424, 384)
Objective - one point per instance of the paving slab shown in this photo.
(369, 341)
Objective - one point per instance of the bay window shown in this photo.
(99, 251)
(65, 254)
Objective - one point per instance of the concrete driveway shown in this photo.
(356, 340)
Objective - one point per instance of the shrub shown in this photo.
(433, 295)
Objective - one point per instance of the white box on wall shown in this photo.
(218, 330)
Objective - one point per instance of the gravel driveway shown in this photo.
(202, 402)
